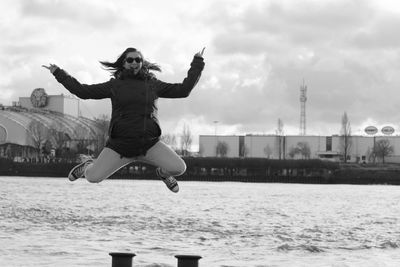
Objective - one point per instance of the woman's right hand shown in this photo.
(51, 67)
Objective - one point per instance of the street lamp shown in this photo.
(215, 137)
(215, 127)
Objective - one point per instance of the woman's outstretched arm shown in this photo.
(178, 90)
(84, 91)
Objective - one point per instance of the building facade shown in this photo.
(360, 148)
(63, 104)
(44, 120)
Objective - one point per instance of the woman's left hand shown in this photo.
(200, 54)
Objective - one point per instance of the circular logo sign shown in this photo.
(39, 98)
(388, 130)
(371, 130)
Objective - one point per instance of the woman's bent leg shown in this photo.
(107, 163)
(163, 156)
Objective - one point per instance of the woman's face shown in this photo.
(134, 61)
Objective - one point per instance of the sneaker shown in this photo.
(170, 181)
(83, 157)
(79, 170)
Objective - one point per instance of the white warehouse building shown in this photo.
(284, 147)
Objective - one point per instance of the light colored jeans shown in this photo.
(159, 155)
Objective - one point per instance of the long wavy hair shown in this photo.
(116, 68)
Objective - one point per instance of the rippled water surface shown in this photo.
(53, 222)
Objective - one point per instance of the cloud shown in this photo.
(92, 13)
(284, 24)
(258, 53)
(23, 49)
(6, 94)
(383, 34)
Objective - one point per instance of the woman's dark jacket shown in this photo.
(134, 126)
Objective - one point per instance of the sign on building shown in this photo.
(371, 130)
(387, 130)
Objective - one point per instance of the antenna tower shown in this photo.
(303, 99)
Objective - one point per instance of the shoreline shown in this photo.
(234, 170)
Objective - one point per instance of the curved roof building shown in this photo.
(24, 122)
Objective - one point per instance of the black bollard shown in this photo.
(120, 259)
(188, 260)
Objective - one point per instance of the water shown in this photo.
(53, 222)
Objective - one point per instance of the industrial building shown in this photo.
(360, 148)
(349, 148)
(45, 120)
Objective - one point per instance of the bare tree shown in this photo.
(47, 147)
(302, 148)
(170, 140)
(58, 136)
(268, 151)
(82, 139)
(383, 148)
(103, 123)
(345, 137)
(371, 155)
(280, 139)
(292, 152)
(222, 149)
(279, 130)
(186, 140)
(244, 151)
(39, 134)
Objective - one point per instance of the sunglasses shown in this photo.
(131, 59)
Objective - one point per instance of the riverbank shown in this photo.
(237, 169)
(367, 174)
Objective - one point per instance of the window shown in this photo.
(329, 143)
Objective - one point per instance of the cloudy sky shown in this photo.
(257, 54)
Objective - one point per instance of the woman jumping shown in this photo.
(134, 132)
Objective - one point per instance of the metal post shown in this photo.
(188, 260)
(120, 259)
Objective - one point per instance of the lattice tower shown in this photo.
(303, 99)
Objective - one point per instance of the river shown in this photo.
(54, 222)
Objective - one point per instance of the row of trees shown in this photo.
(46, 138)
(182, 142)
(54, 137)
